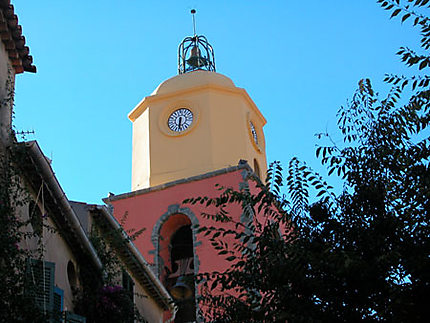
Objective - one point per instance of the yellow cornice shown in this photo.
(142, 105)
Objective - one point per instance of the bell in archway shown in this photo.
(196, 59)
(181, 290)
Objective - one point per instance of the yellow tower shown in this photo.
(195, 123)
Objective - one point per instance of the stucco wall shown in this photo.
(149, 210)
(218, 137)
(153, 208)
(141, 147)
(55, 249)
(146, 306)
(6, 88)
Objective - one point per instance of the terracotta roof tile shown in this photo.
(13, 40)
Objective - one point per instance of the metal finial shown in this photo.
(193, 12)
(195, 53)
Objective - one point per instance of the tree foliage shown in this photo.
(102, 299)
(16, 301)
(361, 255)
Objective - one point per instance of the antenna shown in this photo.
(193, 12)
(24, 133)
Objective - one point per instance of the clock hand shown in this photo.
(180, 121)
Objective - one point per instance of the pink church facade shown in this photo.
(161, 211)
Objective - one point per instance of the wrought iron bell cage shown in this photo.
(195, 53)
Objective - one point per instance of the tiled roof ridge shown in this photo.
(13, 40)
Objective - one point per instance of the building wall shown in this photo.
(141, 166)
(7, 79)
(146, 306)
(144, 302)
(55, 249)
(58, 251)
(151, 209)
(219, 136)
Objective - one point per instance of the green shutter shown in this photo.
(58, 305)
(70, 317)
(40, 278)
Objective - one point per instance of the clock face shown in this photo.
(253, 132)
(180, 120)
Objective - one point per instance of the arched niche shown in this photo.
(173, 225)
(175, 244)
(163, 231)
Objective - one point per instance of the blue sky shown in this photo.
(298, 60)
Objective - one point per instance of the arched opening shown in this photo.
(71, 275)
(176, 253)
(257, 168)
(167, 231)
(181, 247)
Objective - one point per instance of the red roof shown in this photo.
(13, 40)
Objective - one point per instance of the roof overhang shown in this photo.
(13, 40)
(135, 262)
(145, 103)
(36, 171)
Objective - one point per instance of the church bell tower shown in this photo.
(192, 133)
(195, 123)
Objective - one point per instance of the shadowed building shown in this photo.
(59, 259)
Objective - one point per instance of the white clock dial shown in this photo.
(253, 132)
(180, 120)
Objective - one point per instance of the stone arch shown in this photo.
(176, 217)
(174, 210)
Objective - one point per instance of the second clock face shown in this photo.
(180, 120)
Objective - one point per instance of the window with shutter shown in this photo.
(70, 317)
(58, 305)
(40, 283)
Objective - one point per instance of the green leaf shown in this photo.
(406, 17)
(395, 12)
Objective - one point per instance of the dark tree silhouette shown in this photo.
(361, 255)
